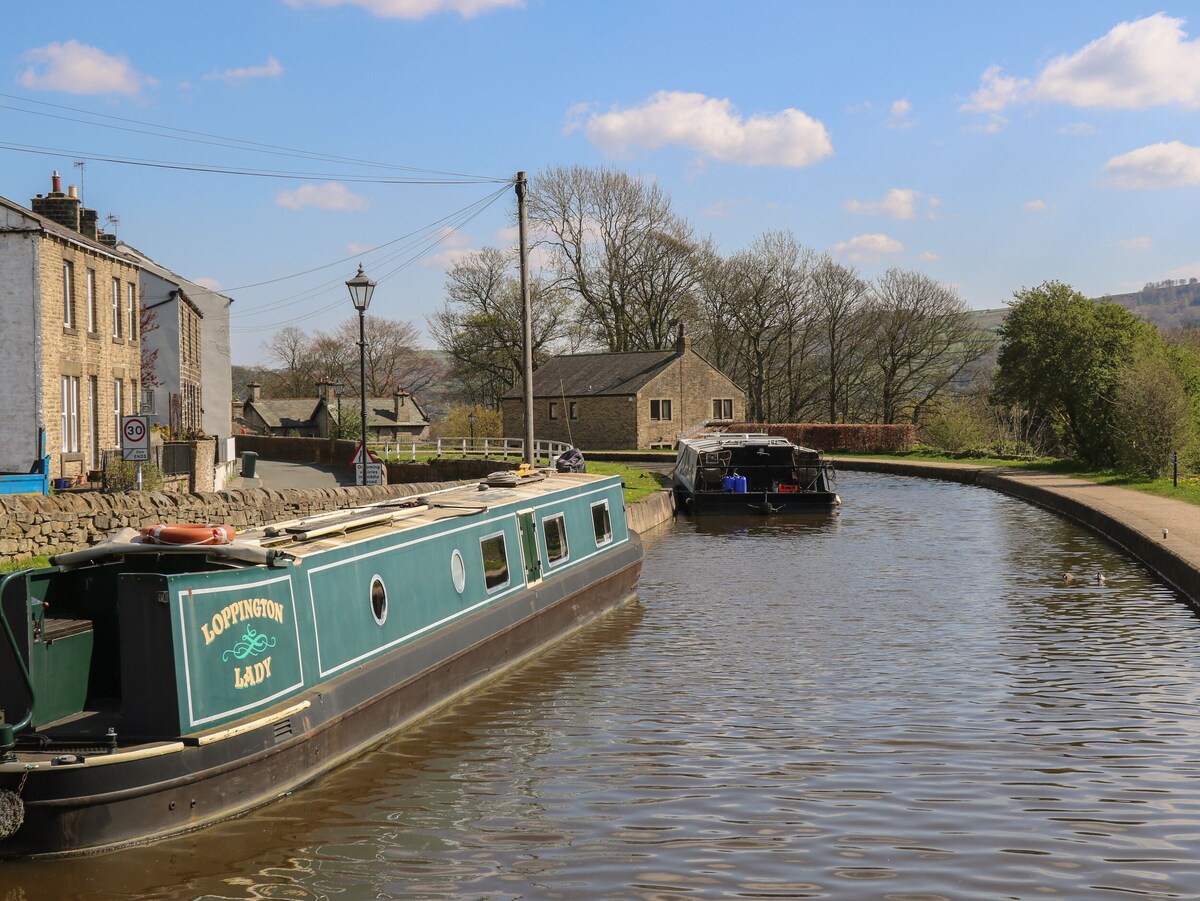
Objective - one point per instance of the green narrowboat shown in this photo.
(150, 688)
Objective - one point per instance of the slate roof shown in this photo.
(286, 414)
(49, 225)
(597, 374)
(381, 412)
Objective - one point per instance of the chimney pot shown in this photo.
(255, 392)
(56, 182)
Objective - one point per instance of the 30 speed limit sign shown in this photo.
(135, 437)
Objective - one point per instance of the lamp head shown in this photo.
(361, 289)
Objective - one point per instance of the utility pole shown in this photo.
(526, 319)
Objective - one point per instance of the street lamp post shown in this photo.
(361, 289)
(471, 420)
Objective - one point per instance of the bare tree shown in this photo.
(479, 327)
(839, 297)
(620, 249)
(291, 348)
(922, 339)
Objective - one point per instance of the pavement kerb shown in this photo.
(1131, 520)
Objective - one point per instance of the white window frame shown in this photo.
(118, 386)
(131, 308)
(116, 307)
(68, 294)
(608, 537)
(561, 519)
(70, 414)
(500, 586)
(91, 299)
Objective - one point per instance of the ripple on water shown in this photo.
(903, 702)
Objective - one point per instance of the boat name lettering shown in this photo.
(251, 608)
(245, 676)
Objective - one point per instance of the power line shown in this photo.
(250, 173)
(182, 134)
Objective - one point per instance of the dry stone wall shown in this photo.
(31, 525)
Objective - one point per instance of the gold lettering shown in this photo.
(208, 636)
(240, 611)
(252, 674)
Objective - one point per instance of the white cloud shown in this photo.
(1078, 128)
(712, 128)
(928, 256)
(868, 248)
(1136, 65)
(899, 203)
(935, 204)
(211, 283)
(272, 69)
(898, 118)
(1142, 242)
(453, 244)
(1036, 205)
(1189, 271)
(331, 195)
(1169, 165)
(76, 68)
(996, 92)
(415, 9)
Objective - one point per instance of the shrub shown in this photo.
(121, 475)
(845, 437)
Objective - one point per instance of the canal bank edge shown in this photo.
(1161, 533)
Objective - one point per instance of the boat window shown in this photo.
(458, 571)
(555, 530)
(495, 561)
(378, 599)
(601, 523)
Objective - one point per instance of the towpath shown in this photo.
(1163, 533)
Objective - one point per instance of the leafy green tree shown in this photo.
(1153, 414)
(1062, 356)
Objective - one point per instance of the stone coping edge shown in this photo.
(1176, 571)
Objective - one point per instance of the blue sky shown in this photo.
(990, 145)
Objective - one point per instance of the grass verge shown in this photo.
(1188, 489)
(639, 483)
(8, 565)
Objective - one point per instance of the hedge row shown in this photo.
(844, 437)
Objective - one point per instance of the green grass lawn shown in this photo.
(1188, 489)
(7, 565)
(639, 483)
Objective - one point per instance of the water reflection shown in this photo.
(902, 701)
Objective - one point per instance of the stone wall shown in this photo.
(32, 525)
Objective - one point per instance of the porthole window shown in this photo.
(378, 599)
(458, 571)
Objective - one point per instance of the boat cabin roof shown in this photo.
(299, 538)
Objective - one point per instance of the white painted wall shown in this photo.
(20, 332)
(156, 297)
(216, 369)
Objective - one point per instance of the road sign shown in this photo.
(372, 457)
(372, 476)
(135, 437)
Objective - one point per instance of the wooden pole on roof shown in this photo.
(526, 319)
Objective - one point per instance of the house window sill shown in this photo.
(95, 336)
(70, 330)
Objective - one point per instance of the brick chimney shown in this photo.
(57, 206)
(87, 223)
(255, 392)
(325, 391)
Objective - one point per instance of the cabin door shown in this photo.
(529, 546)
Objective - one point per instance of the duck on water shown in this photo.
(161, 681)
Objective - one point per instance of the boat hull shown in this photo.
(717, 503)
(180, 786)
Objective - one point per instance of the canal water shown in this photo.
(901, 702)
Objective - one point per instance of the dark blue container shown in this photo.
(739, 484)
(728, 482)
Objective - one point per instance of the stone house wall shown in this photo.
(608, 422)
(691, 383)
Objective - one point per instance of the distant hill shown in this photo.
(1170, 304)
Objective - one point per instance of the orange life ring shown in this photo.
(185, 534)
